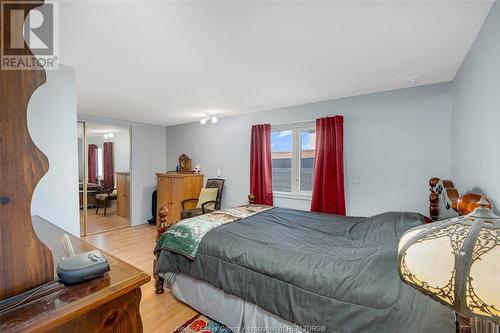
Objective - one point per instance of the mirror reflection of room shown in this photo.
(107, 178)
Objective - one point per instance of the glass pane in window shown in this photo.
(307, 156)
(281, 154)
(100, 164)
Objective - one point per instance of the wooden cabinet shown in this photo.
(122, 194)
(175, 187)
(106, 304)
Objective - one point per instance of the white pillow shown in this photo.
(207, 194)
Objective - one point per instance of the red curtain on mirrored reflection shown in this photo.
(107, 166)
(92, 163)
(328, 185)
(261, 172)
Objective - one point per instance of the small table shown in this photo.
(110, 303)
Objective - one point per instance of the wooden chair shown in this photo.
(211, 183)
(105, 198)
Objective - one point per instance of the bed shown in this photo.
(287, 269)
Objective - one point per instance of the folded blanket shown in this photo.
(185, 237)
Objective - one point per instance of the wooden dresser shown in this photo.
(175, 187)
(122, 194)
(106, 304)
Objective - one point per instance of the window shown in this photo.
(281, 154)
(293, 155)
(100, 171)
(307, 157)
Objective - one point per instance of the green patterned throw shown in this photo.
(185, 236)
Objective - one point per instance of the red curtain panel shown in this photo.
(107, 166)
(92, 163)
(261, 181)
(328, 185)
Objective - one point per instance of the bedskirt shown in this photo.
(235, 313)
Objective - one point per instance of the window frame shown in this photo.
(296, 129)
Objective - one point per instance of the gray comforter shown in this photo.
(316, 270)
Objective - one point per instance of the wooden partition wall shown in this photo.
(25, 262)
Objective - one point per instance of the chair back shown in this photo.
(219, 184)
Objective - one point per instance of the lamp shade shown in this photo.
(456, 262)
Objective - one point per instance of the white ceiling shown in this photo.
(172, 62)
(98, 130)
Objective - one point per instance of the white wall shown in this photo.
(148, 158)
(148, 147)
(395, 141)
(475, 153)
(52, 125)
(121, 145)
(121, 148)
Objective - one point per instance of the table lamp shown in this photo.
(456, 262)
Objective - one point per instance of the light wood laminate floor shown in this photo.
(97, 222)
(160, 313)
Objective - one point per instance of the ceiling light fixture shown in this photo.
(212, 118)
(412, 79)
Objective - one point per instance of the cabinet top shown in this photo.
(178, 175)
(71, 301)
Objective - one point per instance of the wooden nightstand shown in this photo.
(475, 325)
(109, 304)
(463, 324)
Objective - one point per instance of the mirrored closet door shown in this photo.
(104, 176)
